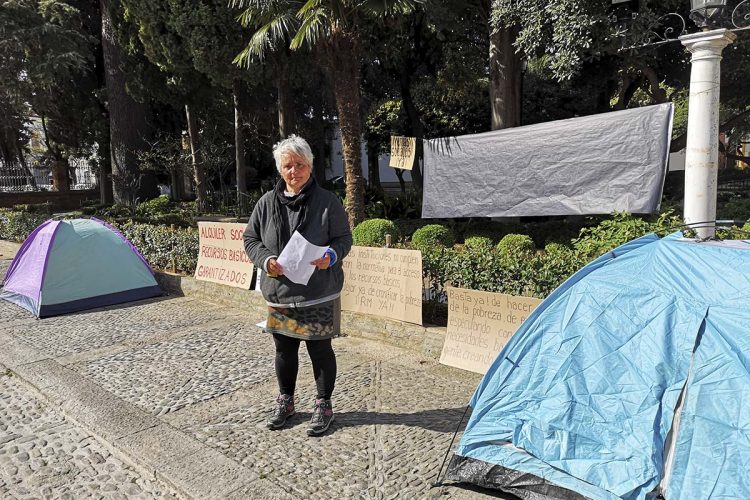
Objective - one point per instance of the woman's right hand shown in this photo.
(274, 268)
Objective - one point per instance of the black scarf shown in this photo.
(281, 201)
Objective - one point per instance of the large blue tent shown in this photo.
(631, 378)
(72, 265)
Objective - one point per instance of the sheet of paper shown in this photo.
(296, 258)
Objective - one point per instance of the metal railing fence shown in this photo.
(16, 177)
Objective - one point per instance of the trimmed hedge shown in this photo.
(432, 235)
(371, 233)
(513, 266)
(480, 243)
(164, 247)
(515, 244)
(17, 225)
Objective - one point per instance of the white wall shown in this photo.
(387, 174)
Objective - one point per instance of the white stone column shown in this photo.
(702, 155)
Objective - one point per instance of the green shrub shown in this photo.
(619, 229)
(163, 246)
(515, 245)
(736, 209)
(17, 226)
(159, 205)
(115, 211)
(557, 263)
(734, 232)
(34, 208)
(432, 235)
(478, 243)
(371, 233)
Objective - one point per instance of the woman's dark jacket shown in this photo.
(318, 215)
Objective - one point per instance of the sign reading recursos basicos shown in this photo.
(383, 282)
(222, 258)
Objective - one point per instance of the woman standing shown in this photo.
(297, 312)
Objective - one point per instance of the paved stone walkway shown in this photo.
(44, 455)
(182, 388)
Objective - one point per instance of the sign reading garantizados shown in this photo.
(222, 258)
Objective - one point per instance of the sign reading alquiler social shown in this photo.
(221, 257)
(479, 326)
(383, 282)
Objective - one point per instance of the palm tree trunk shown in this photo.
(286, 103)
(343, 59)
(196, 158)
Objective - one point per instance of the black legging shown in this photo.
(287, 364)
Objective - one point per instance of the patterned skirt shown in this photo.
(318, 322)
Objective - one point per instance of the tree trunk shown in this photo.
(373, 165)
(415, 125)
(319, 145)
(343, 60)
(128, 120)
(106, 195)
(196, 157)
(25, 166)
(60, 180)
(400, 177)
(239, 142)
(505, 78)
(105, 165)
(286, 103)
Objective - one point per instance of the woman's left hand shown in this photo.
(323, 262)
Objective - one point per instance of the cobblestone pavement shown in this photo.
(205, 372)
(43, 455)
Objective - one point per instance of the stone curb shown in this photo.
(427, 341)
(156, 449)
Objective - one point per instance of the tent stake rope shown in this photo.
(450, 447)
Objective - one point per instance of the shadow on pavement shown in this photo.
(438, 420)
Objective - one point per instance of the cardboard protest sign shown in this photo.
(403, 152)
(479, 325)
(384, 282)
(222, 258)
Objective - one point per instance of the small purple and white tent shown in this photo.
(72, 265)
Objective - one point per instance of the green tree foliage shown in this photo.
(333, 27)
(47, 56)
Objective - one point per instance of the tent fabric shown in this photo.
(585, 393)
(590, 165)
(72, 265)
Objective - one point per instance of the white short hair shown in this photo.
(292, 144)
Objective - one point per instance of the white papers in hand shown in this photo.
(296, 258)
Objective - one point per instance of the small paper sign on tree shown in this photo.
(403, 152)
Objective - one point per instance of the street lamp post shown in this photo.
(706, 46)
(702, 152)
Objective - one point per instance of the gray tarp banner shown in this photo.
(590, 165)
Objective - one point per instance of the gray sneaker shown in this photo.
(321, 418)
(284, 409)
